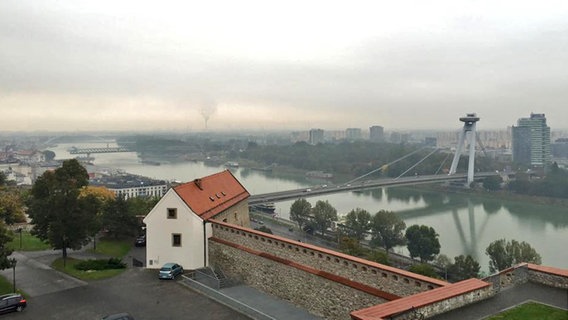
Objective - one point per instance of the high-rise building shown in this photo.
(531, 141)
(316, 136)
(376, 134)
(353, 134)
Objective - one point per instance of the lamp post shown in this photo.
(20, 232)
(13, 262)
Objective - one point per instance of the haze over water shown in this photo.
(466, 224)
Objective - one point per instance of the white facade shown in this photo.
(161, 229)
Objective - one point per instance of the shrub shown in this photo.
(100, 264)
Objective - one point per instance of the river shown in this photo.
(466, 224)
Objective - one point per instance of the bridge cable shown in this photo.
(417, 163)
(385, 165)
(443, 162)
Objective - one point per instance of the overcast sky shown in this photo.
(272, 65)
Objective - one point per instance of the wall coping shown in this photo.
(550, 270)
(419, 300)
(323, 274)
(361, 261)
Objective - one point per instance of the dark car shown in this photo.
(170, 270)
(140, 241)
(119, 316)
(12, 302)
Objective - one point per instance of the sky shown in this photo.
(280, 65)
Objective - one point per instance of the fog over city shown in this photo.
(266, 65)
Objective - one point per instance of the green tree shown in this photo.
(504, 254)
(2, 178)
(57, 215)
(118, 221)
(94, 199)
(324, 214)
(350, 246)
(422, 242)
(464, 267)
(357, 223)
(492, 183)
(387, 230)
(5, 252)
(300, 212)
(424, 269)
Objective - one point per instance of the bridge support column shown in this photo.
(468, 126)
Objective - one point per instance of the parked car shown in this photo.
(140, 241)
(119, 316)
(170, 270)
(12, 302)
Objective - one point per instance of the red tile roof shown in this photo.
(213, 194)
(382, 311)
(550, 270)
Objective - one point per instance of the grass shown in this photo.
(29, 243)
(116, 248)
(7, 286)
(83, 275)
(532, 310)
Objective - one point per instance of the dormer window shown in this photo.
(172, 213)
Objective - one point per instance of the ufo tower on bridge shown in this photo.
(469, 126)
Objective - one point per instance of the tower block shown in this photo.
(468, 126)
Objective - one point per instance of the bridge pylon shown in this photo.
(469, 126)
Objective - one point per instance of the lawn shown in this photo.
(532, 310)
(83, 275)
(29, 243)
(113, 247)
(7, 286)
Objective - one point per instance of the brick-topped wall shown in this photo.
(385, 278)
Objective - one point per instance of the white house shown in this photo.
(177, 228)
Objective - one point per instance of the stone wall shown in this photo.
(320, 296)
(549, 276)
(391, 280)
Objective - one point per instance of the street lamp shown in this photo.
(20, 232)
(13, 262)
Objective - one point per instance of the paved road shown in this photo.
(53, 295)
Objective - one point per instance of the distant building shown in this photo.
(131, 186)
(353, 134)
(430, 141)
(316, 136)
(531, 141)
(376, 134)
(559, 148)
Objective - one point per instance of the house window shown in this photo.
(172, 213)
(176, 239)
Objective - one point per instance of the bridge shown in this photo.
(88, 151)
(362, 185)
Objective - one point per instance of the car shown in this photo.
(119, 316)
(12, 302)
(170, 270)
(308, 190)
(140, 241)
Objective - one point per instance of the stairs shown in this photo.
(212, 277)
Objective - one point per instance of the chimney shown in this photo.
(198, 183)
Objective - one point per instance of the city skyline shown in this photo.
(224, 66)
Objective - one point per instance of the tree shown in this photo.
(324, 214)
(55, 209)
(5, 252)
(422, 242)
(424, 269)
(94, 199)
(504, 254)
(300, 212)
(11, 207)
(357, 223)
(350, 246)
(118, 221)
(464, 267)
(387, 230)
(492, 183)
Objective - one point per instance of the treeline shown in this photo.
(554, 184)
(357, 158)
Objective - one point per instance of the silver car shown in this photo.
(170, 270)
